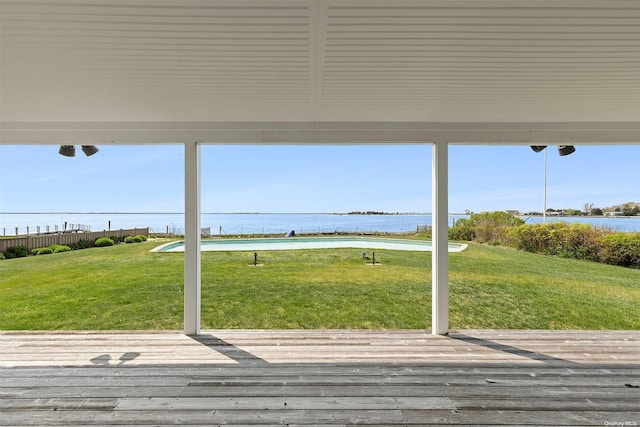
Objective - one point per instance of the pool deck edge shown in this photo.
(412, 245)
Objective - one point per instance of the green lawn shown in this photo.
(126, 287)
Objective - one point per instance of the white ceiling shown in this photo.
(309, 61)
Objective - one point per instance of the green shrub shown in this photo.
(104, 241)
(1, 256)
(462, 230)
(524, 237)
(620, 249)
(51, 249)
(59, 248)
(41, 251)
(115, 239)
(484, 227)
(135, 239)
(16, 252)
(82, 244)
(580, 241)
(493, 226)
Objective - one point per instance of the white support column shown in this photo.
(192, 272)
(440, 246)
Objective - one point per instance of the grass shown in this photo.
(126, 287)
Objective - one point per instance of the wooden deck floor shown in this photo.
(321, 378)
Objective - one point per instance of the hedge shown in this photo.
(82, 244)
(51, 249)
(104, 241)
(484, 227)
(620, 249)
(16, 252)
(41, 251)
(59, 248)
(579, 241)
(135, 239)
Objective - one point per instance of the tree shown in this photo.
(588, 208)
(630, 209)
(484, 227)
(572, 212)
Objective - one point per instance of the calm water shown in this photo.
(259, 223)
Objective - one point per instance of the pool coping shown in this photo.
(358, 244)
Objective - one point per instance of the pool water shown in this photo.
(274, 244)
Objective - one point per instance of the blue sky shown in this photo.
(291, 178)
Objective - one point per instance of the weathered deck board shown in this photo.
(310, 417)
(320, 378)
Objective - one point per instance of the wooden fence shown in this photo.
(41, 240)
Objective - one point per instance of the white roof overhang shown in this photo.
(319, 71)
(104, 133)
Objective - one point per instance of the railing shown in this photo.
(65, 228)
(42, 240)
(176, 232)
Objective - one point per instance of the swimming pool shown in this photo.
(274, 244)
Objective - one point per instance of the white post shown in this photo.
(440, 245)
(544, 193)
(192, 272)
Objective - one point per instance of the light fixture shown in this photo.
(67, 150)
(89, 150)
(70, 150)
(565, 150)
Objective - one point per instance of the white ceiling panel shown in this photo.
(421, 61)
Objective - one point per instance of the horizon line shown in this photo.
(223, 213)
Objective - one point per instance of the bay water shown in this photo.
(257, 223)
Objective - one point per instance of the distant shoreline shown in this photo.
(309, 213)
(219, 213)
(248, 223)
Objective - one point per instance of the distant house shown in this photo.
(613, 214)
(513, 212)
